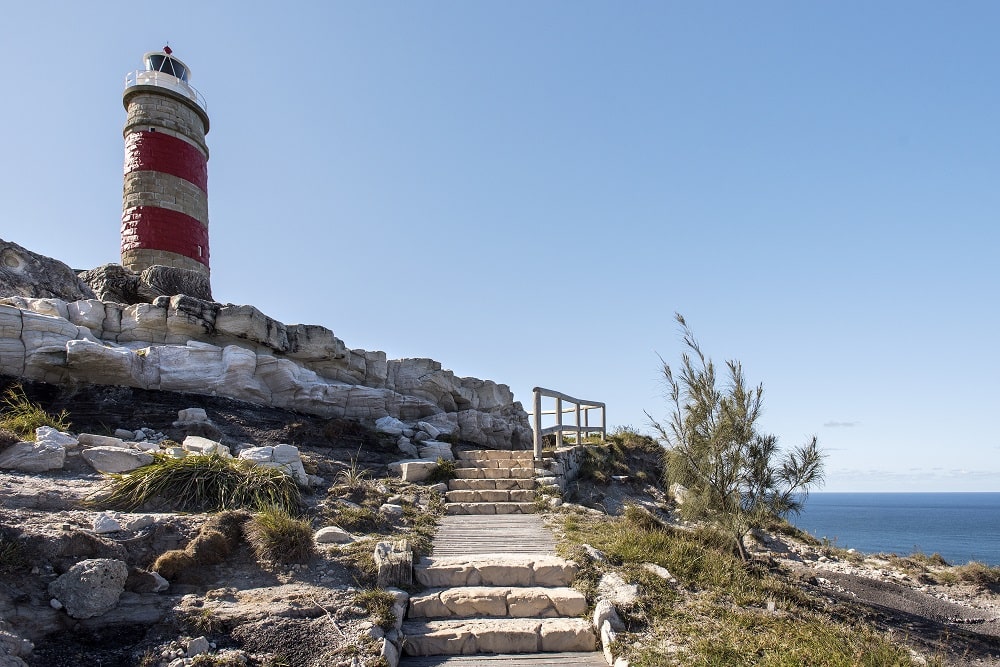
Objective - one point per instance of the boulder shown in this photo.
(92, 440)
(49, 436)
(389, 426)
(617, 591)
(204, 447)
(33, 457)
(113, 282)
(115, 459)
(25, 273)
(333, 535)
(168, 281)
(91, 587)
(413, 470)
(106, 523)
(432, 449)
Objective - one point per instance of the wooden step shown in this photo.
(508, 660)
(462, 535)
(490, 508)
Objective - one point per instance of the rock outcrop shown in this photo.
(28, 274)
(185, 344)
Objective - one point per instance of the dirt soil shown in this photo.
(293, 615)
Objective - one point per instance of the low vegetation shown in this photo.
(215, 541)
(12, 553)
(278, 538)
(21, 417)
(445, 471)
(200, 484)
(378, 603)
(721, 610)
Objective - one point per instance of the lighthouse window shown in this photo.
(167, 65)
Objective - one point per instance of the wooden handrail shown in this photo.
(579, 406)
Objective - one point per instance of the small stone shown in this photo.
(333, 535)
(391, 510)
(124, 435)
(55, 604)
(197, 646)
(106, 523)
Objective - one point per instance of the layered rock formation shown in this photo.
(180, 343)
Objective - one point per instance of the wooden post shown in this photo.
(579, 433)
(537, 420)
(559, 442)
(394, 561)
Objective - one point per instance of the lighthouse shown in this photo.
(165, 196)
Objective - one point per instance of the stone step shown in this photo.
(494, 473)
(490, 508)
(496, 569)
(496, 635)
(495, 455)
(488, 496)
(561, 659)
(490, 484)
(513, 602)
(498, 463)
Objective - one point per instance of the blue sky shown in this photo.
(528, 191)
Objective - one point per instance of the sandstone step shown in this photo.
(498, 463)
(514, 602)
(495, 455)
(494, 473)
(497, 569)
(490, 496)
(490, 508)
(498, 635)
(490, 484)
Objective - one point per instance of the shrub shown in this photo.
(444, 471)
(359, 519)
(276, 537)
(12, 555)
(201, 484)
(216, 539)
(21, 417)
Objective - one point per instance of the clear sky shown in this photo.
(528, 191)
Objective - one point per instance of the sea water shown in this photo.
(962, 527)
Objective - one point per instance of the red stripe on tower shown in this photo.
(157, 151)
(154, 228)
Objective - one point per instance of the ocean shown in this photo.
(962, 527)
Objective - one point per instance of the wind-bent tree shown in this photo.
(736, 477)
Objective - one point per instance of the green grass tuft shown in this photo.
(277, 537)
(444, 472)
(201, 484)
(21, 417)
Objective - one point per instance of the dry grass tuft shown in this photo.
(276, 537)
(21, 417)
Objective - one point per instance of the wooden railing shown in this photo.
(580, 408)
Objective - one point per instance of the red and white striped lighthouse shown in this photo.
(165, 197)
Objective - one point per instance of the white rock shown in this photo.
(389, 425)
(197, 646)
(258, 454)
(92, 440)
(429, 429)
(91, 587)
(115, 459)
(145, 446)
(613, 588)
(198, 445)
(333, 535)
(192, 415)
(50, 436)
(106, 523)
(660, 571)
(161, 583)
(134, 523)
(391, 510)
(605, 612)
(33, 457)
(413, 470)
(286, 454)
